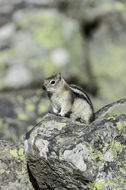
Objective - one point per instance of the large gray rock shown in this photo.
(66, 155)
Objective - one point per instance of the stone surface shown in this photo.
(13, 167)
(65, 155)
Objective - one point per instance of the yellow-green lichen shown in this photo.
(20, 173)
(85, 146)
(97, 154)
(116, 147)
(17, 153)
(14, 153)
(63, 124)
(121, 179)
(93, 154)
(42, 32)
(2, 171)
(122, 170)
(120, 6)
(69, 187)
(22, 116)
(42, 108)
(21, 152)
(97, 185)
(60, 153)
(30, 107)
(117, 183)
(119, 125)
(112, 117)
(100, 156)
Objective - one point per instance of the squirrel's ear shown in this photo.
(59, 76)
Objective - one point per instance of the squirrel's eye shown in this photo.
(52, 82)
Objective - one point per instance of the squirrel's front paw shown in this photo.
(61, 114)
(55, 110)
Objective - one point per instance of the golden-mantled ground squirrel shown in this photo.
(68, 100)
(71, 101)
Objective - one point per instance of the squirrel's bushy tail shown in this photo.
(102, 111)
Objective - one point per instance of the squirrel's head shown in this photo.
(53, 83)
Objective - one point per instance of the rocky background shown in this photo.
(83, 39)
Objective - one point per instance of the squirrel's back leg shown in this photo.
(81, 109)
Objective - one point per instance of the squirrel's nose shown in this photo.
(44, 84)
(43, 87)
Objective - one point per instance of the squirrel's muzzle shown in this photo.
(43, 87)
(45, 83)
